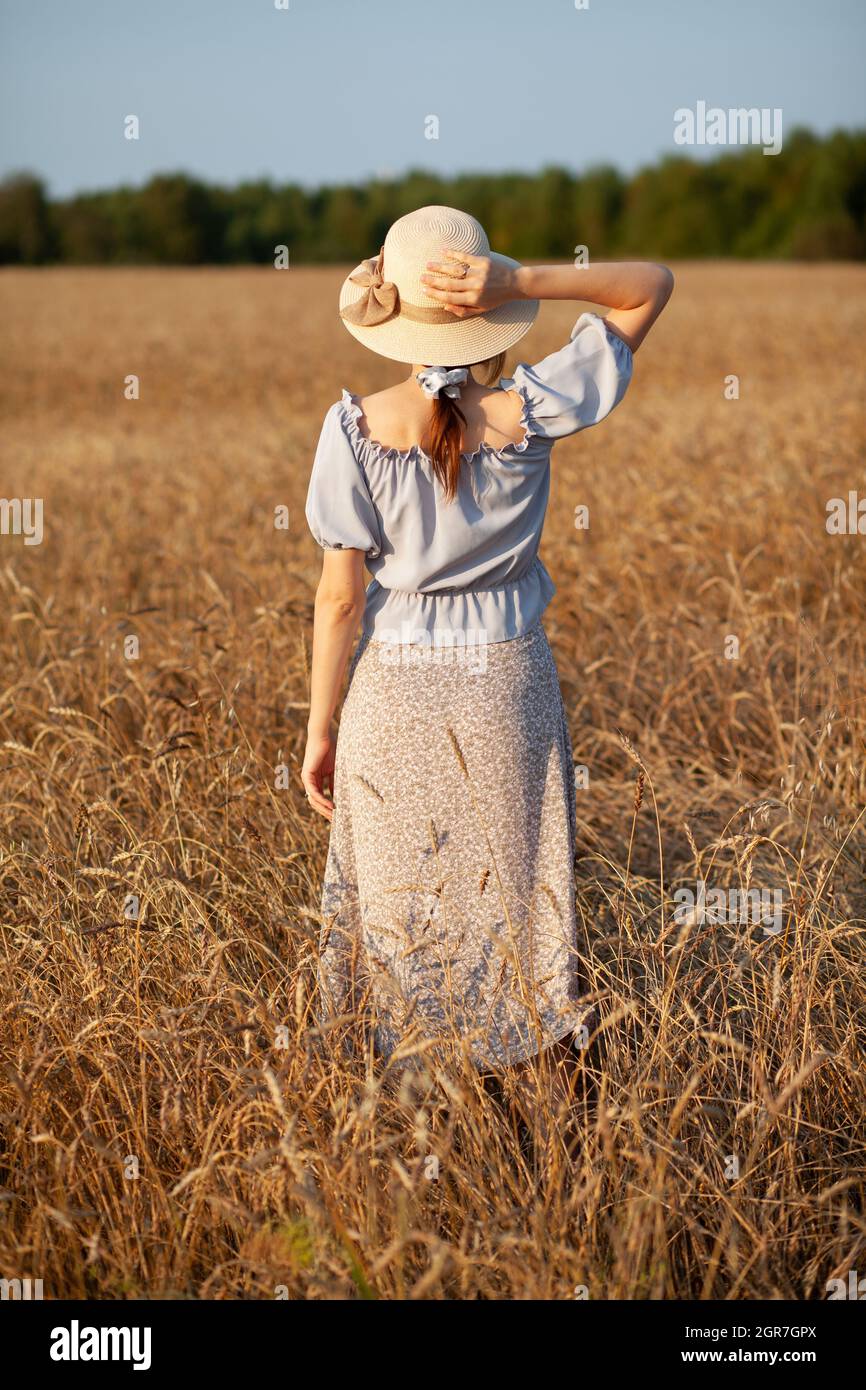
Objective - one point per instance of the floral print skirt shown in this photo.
(448, 901)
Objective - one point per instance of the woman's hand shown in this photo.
(317, 771)
(485, 285)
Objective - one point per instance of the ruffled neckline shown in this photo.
(352, 413)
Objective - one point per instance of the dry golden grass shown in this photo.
(263, 1165)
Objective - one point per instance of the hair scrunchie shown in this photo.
(434, 380)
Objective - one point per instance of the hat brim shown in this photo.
(456, 344)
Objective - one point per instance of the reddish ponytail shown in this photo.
(444, 439)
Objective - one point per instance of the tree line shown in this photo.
(807, 202)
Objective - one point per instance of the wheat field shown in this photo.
(174, 1124)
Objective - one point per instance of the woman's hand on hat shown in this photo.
(468, 284)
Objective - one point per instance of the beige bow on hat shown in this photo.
(381, 301)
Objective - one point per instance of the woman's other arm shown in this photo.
(338, 610)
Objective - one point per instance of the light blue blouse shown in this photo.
(465, 570)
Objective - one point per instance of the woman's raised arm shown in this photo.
(633, 292)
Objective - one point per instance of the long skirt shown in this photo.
(448, 901)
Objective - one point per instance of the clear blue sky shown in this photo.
(335, 90)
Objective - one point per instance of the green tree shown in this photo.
(25, 221)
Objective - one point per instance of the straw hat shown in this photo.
(384, 305)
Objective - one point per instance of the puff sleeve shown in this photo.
(579, 384)
(340, 511)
